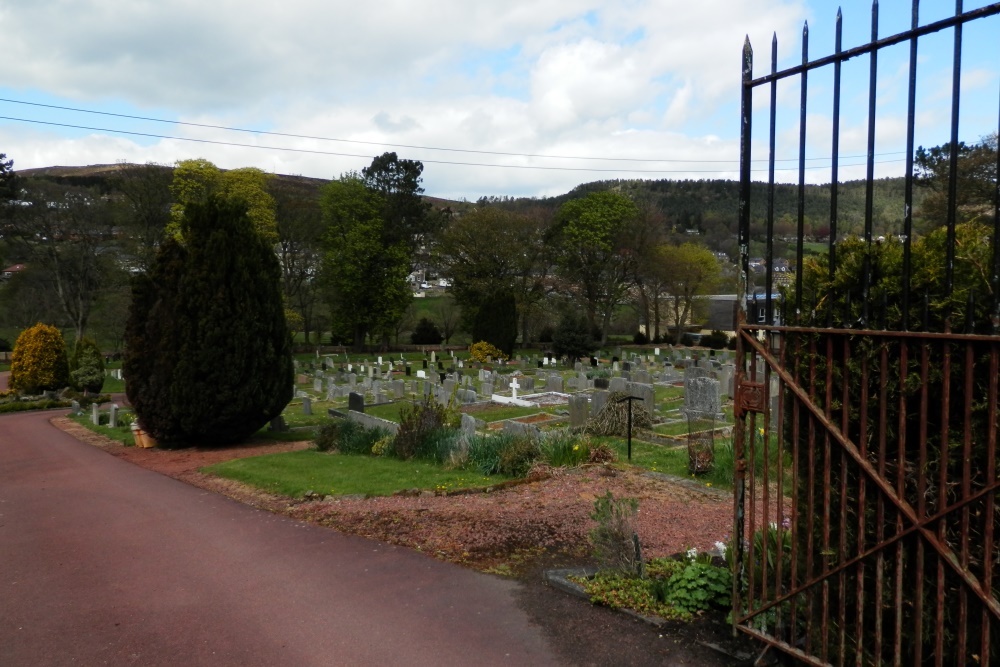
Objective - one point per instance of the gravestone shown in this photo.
(356, 402)
(554, 383)
(318, 385)
(113, 416)
(468, 425)
(645, 392)
(599, 400)
(95, 414)
(307, 405)
(579, 405)
(593, 362)
(277, 425)
(433, 357)
(701, 395)
(76, 407)
(617, 384)
(421, 374)
(407, 370)
(528, 384)
(520, 428)
(726, 380)
(398, 389)
(486, 388)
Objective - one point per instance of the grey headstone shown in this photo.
(468, 424)
(520, 428)
(76, 407)
(95, 414)
(318, 385)
(645, 392)
(486, 388)
(599, 400)
(277, 425)
(306, 405)
(356, 402)
(113, 416)
(554, 383)
(617, 384)
(701, 395)
(578, 409)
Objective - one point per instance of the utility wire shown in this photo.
(463, 164)
(378, 143)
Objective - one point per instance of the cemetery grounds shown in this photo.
(508, 527)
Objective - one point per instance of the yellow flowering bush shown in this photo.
(483, 352)
(38, 362)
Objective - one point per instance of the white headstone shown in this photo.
(422, 374)
(514, 386)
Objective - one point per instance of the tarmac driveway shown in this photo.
(103, 562)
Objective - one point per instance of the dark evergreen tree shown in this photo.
(495, 321)
(426, 333)
(572, 338)
(208, 352)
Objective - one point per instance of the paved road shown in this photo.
(103, 562)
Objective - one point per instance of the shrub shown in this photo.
(208, 353)
(484, 351)
(24, 406)
(87, 367)
(695, 586)
(328, 435)
(39, 362)
(426, 333)
(349, 437)
(640, 338)
(615, 540)
(416, 423)
(4, 345)
(545, 335)
(715, 340)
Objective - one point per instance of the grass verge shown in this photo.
(295, 473)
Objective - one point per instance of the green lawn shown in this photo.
(295, 473)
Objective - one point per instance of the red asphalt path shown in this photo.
(106, 563)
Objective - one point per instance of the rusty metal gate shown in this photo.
(866, 510)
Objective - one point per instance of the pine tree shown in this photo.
(208, 351)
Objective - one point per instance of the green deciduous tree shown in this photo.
(689, 271)
(208, 352)
(198, 181)
(490, 250)
(365, 268)
(595, 257)
(38, 362)
(495, 321)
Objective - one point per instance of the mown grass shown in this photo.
(295, 473)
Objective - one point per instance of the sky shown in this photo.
(495, 98)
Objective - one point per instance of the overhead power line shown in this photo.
(409, 146)
(450, 162)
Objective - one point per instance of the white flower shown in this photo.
(721, 548)
(692, 553)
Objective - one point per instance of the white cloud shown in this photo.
(640, 79)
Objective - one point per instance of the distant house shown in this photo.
(12, 271)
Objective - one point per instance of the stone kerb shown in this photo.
(371, 421)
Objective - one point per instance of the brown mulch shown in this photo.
(520, 529)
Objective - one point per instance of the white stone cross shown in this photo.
(514, 386)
